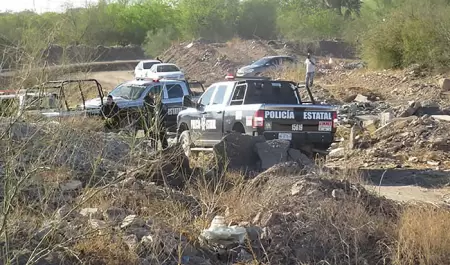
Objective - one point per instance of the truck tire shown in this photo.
(186, 143)
(320, 153)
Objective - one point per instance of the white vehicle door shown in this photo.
(138, 70)
(152, 72)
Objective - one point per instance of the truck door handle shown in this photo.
(219, 111)
(204, 112)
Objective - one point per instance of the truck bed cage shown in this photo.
(59, 84)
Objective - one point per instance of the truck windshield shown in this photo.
(271, 92)
(128, 91)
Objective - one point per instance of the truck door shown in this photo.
(201, 126)
(173, 97)
(215, 114)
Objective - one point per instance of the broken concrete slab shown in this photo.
(368, 122)
(394, 120)
(413, 106)
(361, 98)
(235, 150)
(441, 117)
(272, 152)
(338, 152)
(385, 118)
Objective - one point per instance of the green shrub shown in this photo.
(257, 18)
(415, 32)
(313, 24)
(158, 41)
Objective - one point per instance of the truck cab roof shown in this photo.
(150, 82)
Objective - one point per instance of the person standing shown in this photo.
(310, 70)
(149, 109)
(160, 121)
(110, 112)
(155, 125)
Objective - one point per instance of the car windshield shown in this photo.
(261, 62)
(167, 68)
(128, 91)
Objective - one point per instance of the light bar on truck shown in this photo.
(229, 76)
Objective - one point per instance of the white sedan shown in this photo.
(165, 71)
(143, 68)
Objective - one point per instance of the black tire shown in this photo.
(186, 142)
(320, 153)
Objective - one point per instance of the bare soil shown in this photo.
(209, 62)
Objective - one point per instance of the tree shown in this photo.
(212, 19)
(257, 18)
(351, 6)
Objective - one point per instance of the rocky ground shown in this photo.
(78, 197)
(74, 195)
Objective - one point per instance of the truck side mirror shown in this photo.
(188, 103)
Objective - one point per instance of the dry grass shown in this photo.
(104, 250)
(423, 236)
(291, 73)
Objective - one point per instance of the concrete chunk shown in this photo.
(441, 117)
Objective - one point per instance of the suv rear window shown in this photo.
(167, 68)
(271, 92)
(149, 65)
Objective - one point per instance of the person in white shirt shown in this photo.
(310, 70)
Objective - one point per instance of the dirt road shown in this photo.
(109, 80)
(411, 193)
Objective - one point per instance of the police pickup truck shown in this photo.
(129, 97)
(256, 106)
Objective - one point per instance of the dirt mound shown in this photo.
(210, 62)
(310, 219)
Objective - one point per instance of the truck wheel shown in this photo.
(320, 153)
(319, 157)
(186, 143)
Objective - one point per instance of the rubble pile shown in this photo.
(404, 142)
(348, 113)
(410, 137)
(249, 153)
(157, 208)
